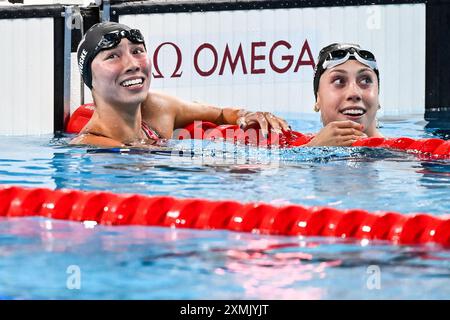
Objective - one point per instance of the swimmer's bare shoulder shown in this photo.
(161, 105)
(159, 111)
(94, 140)
(158, 101)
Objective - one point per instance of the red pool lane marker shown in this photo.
(127, 209)
(352, 222)
(435, 148)
(80, 118)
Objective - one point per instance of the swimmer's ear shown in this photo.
(317, 104)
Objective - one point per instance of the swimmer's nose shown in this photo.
(131, 63)
(354, 92)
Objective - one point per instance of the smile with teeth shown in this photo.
(132, 82)
(353, 112)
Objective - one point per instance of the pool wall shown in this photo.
(27, 75)
(254, 54)
(265, 58)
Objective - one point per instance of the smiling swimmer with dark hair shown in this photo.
(346, 86)
(113, 62)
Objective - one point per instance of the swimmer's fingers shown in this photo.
(346, 141)
(347, 124)
(267, 120)
(349, 141)
(274, 123)
(257, 117)
(333, 135)
(351, 132)
(241, 122)
(342, 129)
(277, 124)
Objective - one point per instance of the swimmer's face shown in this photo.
(121, 75)
(349, 91)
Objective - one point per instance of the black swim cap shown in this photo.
(332, 51)
(93, 42)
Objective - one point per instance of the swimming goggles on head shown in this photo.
(112, 39)
(339, 56)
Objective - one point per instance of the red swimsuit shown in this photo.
(149, 132)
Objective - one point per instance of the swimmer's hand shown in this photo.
(266, 121)
(338, 134)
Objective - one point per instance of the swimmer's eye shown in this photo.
(138, 50)
(366, 80)
(339, 81)
(111, 56)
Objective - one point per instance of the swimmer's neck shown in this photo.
(118, 122)
(373, 132)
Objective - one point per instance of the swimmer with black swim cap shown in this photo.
(346, 87)
(113, 62)
(103, 36)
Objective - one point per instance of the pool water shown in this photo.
(41, 257)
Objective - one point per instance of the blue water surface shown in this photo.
(41, 257)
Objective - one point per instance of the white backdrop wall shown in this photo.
(395, 33)
(26, 77)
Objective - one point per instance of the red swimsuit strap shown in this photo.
(149, 132)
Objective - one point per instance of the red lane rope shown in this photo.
(128, 209)
(436, 148)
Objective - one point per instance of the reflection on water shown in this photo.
(369, 178)
(438, 124)
(161, 263)
(154, 263)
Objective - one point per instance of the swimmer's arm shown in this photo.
(161, 106)
(191, 111)
(184, 113)
(194, 111)
(87, 139)
(245, 119)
